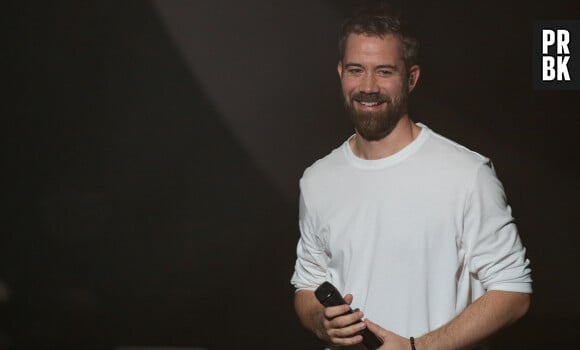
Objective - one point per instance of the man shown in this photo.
(413, 226)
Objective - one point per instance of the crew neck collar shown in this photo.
(390, 160)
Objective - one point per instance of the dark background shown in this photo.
(151, 152)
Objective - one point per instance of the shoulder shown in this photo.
(451, 154)
(324, 169)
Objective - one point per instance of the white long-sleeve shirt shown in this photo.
(415, 237)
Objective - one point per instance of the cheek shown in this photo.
(393, 88)
(346, 90)
(348, 85)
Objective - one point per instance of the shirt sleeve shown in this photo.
(494, 251)
(312, 261)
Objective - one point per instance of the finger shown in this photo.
(372, 326)
(375, 328)
(348, 331)
(348, 298)
(347, 341)
(345, 320)
(334, 311)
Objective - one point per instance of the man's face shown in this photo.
(375, 84)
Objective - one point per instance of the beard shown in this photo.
(374, 126)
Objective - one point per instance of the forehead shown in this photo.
(382, 48)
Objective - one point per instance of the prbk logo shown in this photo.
(555, 67)
(556, 55)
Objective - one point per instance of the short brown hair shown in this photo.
(380, 20)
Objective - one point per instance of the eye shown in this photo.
(384, 72)
(354, 71)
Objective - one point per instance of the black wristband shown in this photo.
(412, 340)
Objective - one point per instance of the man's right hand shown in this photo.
(332, 324)
(341, 327)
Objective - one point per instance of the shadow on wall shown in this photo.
(134, 216)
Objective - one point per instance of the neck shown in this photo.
(403, 134)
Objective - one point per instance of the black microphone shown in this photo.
(328, 295)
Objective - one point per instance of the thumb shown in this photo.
(373, 327)
(348, 298)
(377, 330)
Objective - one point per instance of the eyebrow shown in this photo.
(381, 66)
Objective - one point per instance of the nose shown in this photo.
(369, 84)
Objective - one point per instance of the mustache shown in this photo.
(372, 97)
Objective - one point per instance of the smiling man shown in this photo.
(413, 226)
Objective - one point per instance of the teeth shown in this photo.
(369, 104)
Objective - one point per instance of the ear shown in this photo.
(339, 69)
(414, 73)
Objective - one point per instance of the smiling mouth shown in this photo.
(369, 100)
(369, 104)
